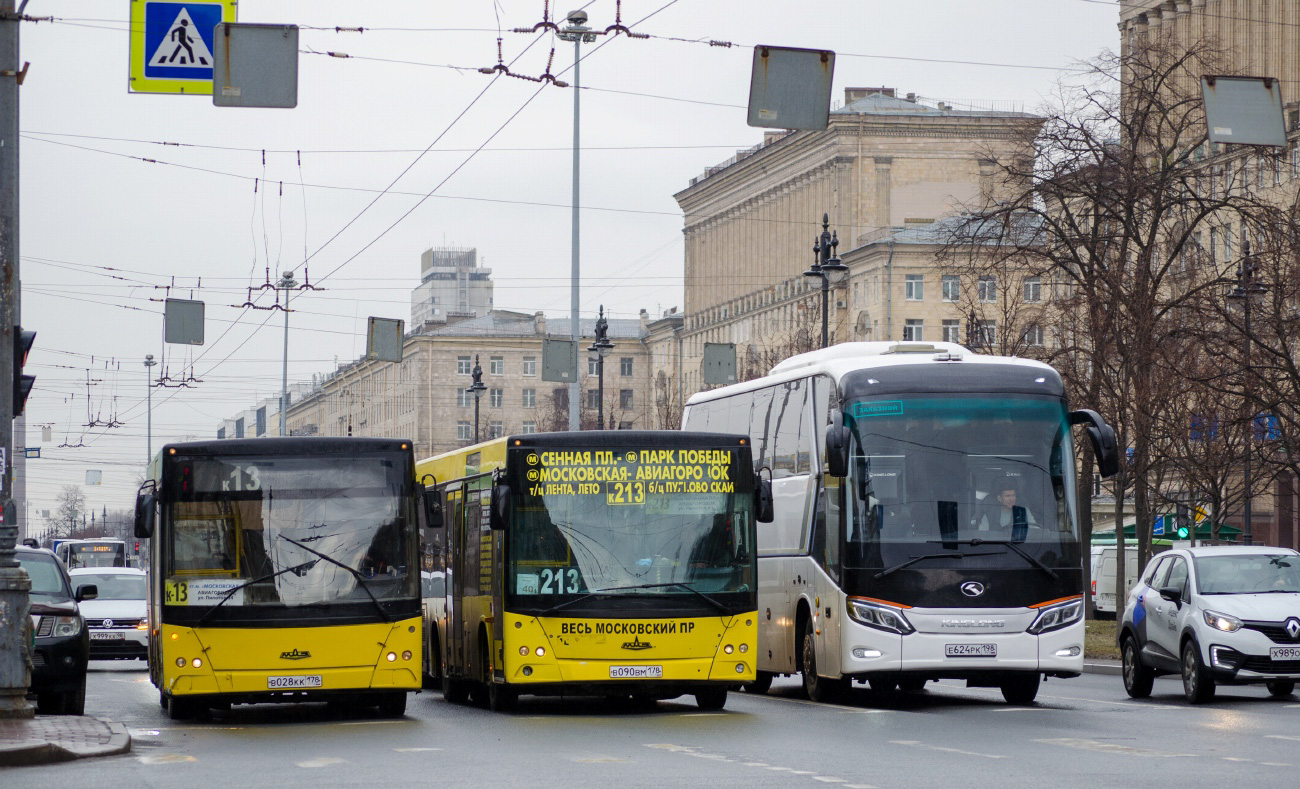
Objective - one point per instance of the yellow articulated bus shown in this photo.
(609, 563)
(283, 569)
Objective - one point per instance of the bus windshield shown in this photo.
(945, 474)
(629, 522)
(289, 531)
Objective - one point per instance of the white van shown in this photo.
(1103, 577)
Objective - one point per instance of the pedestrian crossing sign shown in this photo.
(171, 44)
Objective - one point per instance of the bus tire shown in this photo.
(911, 685)
(501, 697)
(711, 698)
(818, 688)
(762, 683)
(182, 708)
(432, 663)
(1021, 689)
(392, 705)
(455, 690)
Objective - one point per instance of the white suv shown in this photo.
(1215, 615)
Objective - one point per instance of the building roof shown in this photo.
(503, 323)
(884, 104)
(948, 229)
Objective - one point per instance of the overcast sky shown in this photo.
(104, 232)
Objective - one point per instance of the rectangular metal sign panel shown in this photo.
(718, 367)
(183, 322)
(791, 88)
(172, 43)
(384, 339)
(1244, 110)
(255, 66)
(558, 361)
(94, 477)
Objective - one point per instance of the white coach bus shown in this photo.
(926, 521)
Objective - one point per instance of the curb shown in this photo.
(1109, 667)
(39, 749)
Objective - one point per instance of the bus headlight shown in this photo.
(879, 616)
(523, 651)
(197, 663)
(1055, 617)
(392, 657)
(540, 651)
(728, 649)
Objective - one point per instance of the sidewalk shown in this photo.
(59, 738)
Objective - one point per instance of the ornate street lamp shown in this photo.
(477, 388)
(601, 346)
(824, 264)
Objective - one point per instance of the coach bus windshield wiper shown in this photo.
(361, 579)
(1010, 544)
(915, 559)
(297, 569)
(711, 601)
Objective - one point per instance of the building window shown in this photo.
(625, 366)
(988, 332)
(560, 398)
(497, 365)
(530, 398)
(913, 330)
(528, 427)
(988, 288)
(624, 425)
(496, 397)
(261, 421)
(591, 365)
(221, 432)
(464, 365)
(464, 431)
(239, 428)
(1034, 336)
(952, 331)
(914, 287)
(1033, 290)
(951, 287)
(593, 399)
(496, 429)
(464, 399)
(530, 365)
(625, 399)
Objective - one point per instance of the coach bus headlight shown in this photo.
(1055, 617)
(879, 616)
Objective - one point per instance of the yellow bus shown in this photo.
(283, 569)
(612, 563)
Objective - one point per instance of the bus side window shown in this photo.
(823, 401)
(788, 424)
(760, 417)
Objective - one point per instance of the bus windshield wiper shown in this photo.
(1010, 544)
(297, 569)
(711, 601)
(361, 579)
(915, 559)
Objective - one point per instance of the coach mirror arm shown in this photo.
(1102, 437)
(146, 505)
(837, 451)
(763, 507)
(429, 501)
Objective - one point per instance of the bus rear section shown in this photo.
(283, 570)
(94, 553)
(617, 564)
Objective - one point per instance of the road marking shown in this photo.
(598, 760)
(324, 761)
(703, 714)
(916, 744)
(755, 764)
(827, 779)
(166, 758)
(415, 750)
(1024, 709)
(689, 750)
(144, 732)
(1109, 747)
(371, 723)
(1282, 737)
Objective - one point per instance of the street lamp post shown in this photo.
(601, 346)
(477, 388)
(824, 264)
(578, 33)
(1246, 290)
(286, 284)
(148, 382)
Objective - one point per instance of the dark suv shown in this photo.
(62, 642)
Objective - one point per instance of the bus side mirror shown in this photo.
(837, 451)
(763, 509)
(431, 503)
(1102, 436)
(145, 506)
(500, 513)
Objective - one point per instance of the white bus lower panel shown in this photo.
(866, 651)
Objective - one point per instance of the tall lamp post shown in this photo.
(286, 283)
(148, 382)
(824, 264)
(601, 346)
(578, 33)
(477, 388)
(1245, 291)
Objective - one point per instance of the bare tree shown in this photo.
(71, 510)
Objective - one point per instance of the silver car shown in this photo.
(1215, 615)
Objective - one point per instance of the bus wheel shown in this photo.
(455, 690)
(711, 698)
(501, 698)
(911, 685)
(818, 688)
(1021, 689)
(762, 683)
(182, 708)
(392, 705)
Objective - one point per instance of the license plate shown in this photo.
(107, 636)
(303, 681)
(1284, 653)
(636, 672)
(970, 650)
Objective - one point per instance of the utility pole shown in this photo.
(286, 284)
(1245, 291)
(14, 584)
(148, 384)
(577, 32)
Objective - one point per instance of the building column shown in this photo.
(884, 164)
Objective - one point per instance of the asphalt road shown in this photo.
(1081, 733)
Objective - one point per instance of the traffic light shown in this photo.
(1183, 528)
(22, 383)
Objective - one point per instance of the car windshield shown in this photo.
(113, 586)
(1248, 574)
(47, 582)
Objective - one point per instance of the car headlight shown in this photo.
(1228, 624)
(66, 626)
(879, 616)
(1055, 617)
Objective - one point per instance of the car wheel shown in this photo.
(711, 698)
(1138, 679)
(1280, 688)
(1198, 685)
(74, 701)
(1021, 689)
(762, 683)
(818, 688)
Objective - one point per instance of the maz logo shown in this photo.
(294, 655)
(637, 644)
